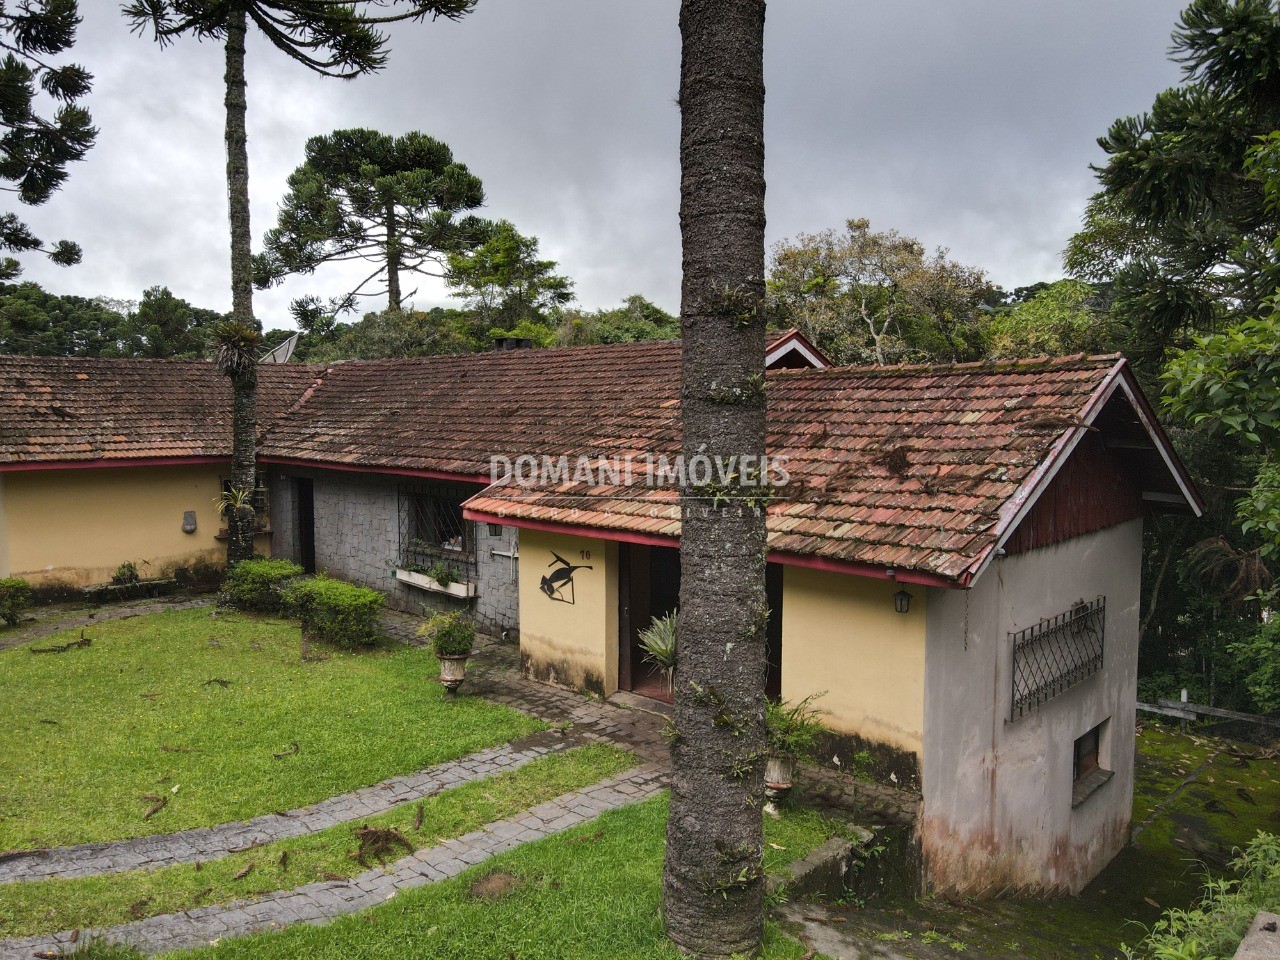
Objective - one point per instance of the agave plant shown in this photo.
(658, 641)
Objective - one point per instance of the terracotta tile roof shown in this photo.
(911, 467)
(450, 414)
(59, 409)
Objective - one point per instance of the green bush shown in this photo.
(450, 634)
(1213, 929)
(255, 584)
(337, 612)
(792, 729)
(15, 598)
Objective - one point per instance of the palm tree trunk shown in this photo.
(713, 887)
(244, 385)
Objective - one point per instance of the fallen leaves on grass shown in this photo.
(378, 843)
(157, 804)
(64, 647)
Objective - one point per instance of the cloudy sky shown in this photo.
(968, 123)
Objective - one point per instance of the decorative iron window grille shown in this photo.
(1055, 655)
(433, 532)
(261, 501)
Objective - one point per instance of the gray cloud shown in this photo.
(969, 124)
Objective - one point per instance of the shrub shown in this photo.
(792, 729)
(255, 584)
(331, 610)
(15, 599)
(126, 574)
(450, 634)
(658, 641)
(1213, 929)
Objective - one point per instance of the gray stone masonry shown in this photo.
(357, 538)
(212, 843)
(317, 903)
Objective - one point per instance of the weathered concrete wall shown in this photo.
(571, 641)
(997, 814)
(78, 526)
(357, 538)
(841, 635)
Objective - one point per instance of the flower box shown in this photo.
(462, 589)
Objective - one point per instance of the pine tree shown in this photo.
(335, 38)
(34, 150)
(365, 195)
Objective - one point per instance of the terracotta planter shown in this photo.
(778, 772)
(453, 670)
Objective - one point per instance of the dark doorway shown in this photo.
(304, 501)
(649, 587)
(773, 636)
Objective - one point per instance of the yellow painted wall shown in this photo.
(841, 634)
(574, 645)
(4, 534)
(77, 526)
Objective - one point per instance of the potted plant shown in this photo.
(658, 641)
(791, 735)
(452, 636)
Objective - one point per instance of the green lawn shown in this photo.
(27, 909)
(593, 892)
(192, 709)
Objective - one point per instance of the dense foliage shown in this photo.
(1213, 928)
(15, 599)
(450, 634)
(257, 584)
(335, 612)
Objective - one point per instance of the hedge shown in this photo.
(256, 584)
(333, 611)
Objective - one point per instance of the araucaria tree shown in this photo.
(35, 150)
(713, 884)
(335, 38)
(236, 347)
(364, 195)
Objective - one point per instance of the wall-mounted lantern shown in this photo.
(189, 521)
(902, 601)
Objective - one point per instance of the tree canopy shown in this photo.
(1179, 227)
(365, 195)
(35, 150)
(866, 296)
(504, 282)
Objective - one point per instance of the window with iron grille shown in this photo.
(433, 532)
(261, 501)
(1055, 655)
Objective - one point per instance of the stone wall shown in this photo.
(357, 537)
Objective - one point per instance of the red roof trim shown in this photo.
(775, 556)
(570, 529)
(479, 478)
(108, 464)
